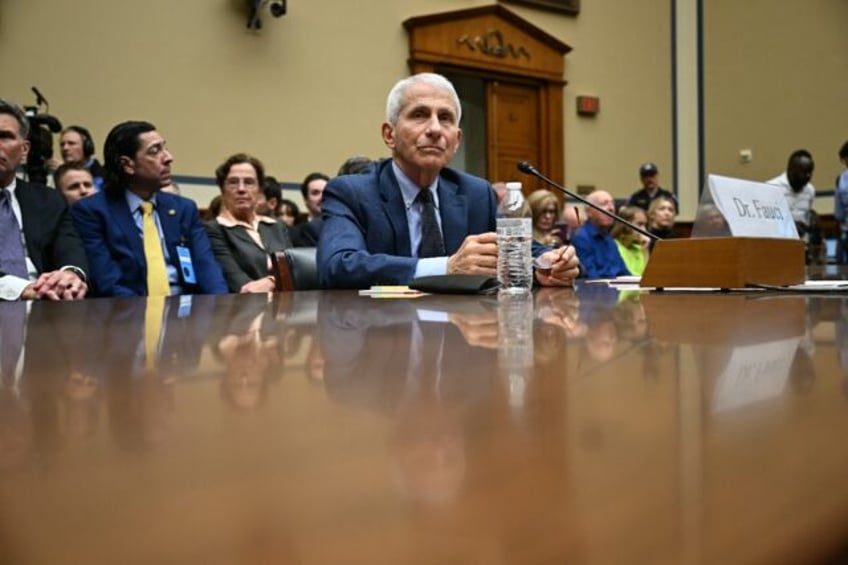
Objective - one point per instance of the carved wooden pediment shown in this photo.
(488, 37)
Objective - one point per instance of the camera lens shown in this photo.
(278, 8)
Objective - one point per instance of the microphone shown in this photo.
(529, 169)
(39, 97)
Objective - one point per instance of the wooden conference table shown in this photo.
(588, 426)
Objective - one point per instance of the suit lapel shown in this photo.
(123, 218)
(454, 214)
(394, 209)
(270, 238)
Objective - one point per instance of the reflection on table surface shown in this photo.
(584, 425)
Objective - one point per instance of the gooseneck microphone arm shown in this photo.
(529, 169)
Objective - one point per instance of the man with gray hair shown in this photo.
(412, 216)
(41, 255)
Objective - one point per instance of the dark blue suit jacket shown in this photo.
(115, 248)
(365, 238)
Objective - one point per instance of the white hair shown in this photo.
(396, 97)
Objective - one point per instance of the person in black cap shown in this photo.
(649, 175)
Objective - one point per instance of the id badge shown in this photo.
(186, 267)
(185, 306)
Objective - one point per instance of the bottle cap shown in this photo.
(513, 185)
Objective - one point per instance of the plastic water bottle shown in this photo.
(515, 234)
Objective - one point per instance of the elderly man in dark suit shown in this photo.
(140, 240)
(411, 216)
(41, 255)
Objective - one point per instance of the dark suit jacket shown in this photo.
(51, 239)
(242, 260)
(365, 238)
(116, 250)
(306, 234)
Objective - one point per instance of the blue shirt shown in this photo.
(840, 201)
(598, 253)
(430, 265)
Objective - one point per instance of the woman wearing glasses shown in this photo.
(242, 240)
(546, 210)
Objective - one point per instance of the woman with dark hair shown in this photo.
(242, 240)
(289, 212)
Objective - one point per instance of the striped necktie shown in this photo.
(157, 276)
(431, 237)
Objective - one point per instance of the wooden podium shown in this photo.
(725, 262)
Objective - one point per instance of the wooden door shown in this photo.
(514, 128)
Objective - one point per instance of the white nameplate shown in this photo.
(752, 209)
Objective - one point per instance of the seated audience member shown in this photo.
(797, 190)
(41, 255)
(545, 207)
(242, 240)
(632, 245)
(597, 249)
(661, 214)
(214, 208)
(141, 241)
(269, 199)
(500, 191)
(649, 175)
(410, 215)
(77, 146)
(312, 189)
(709, 222)
(74, 182)
(840, 205)
(355, 165)
(569, 222)
(289, 213)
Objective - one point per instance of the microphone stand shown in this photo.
(529, 169)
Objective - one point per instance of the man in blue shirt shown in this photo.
(840, 204)
(597, 250)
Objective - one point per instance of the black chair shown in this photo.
(295, 269)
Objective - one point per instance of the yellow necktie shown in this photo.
(157, 276)
(152, 330)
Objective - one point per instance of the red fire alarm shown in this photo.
(588, 105)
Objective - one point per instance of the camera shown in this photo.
(41, 130)
(277, 8)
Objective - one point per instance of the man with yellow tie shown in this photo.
(141, 241)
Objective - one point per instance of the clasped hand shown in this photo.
(56, 285)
